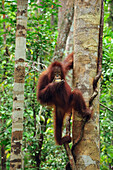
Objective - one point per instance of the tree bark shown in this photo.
(18, 90)
(86, 39)
(66, 13)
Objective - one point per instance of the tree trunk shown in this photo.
(86, 36)
(65, 18)
(69, 43)
(18, 90)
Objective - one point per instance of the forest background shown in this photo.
(38, 140)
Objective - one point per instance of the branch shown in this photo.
(95, 93)
(68, 118)
(37, 63)
(66, 146)
(106, 107)
(70, 156)
(99, 63)
(81, 134)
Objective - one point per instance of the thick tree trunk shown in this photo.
(86, 36)
(18, 97)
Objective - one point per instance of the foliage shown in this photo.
(7, 28)
(106, 118)
(41, 40)
(38, 124)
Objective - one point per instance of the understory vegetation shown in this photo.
(38, 139)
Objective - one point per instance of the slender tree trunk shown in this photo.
(69, 43)
(67, 5)
(65, 28)
(66, 13)
(18, 96)
(86, 36)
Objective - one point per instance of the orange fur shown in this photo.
(60, 96)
